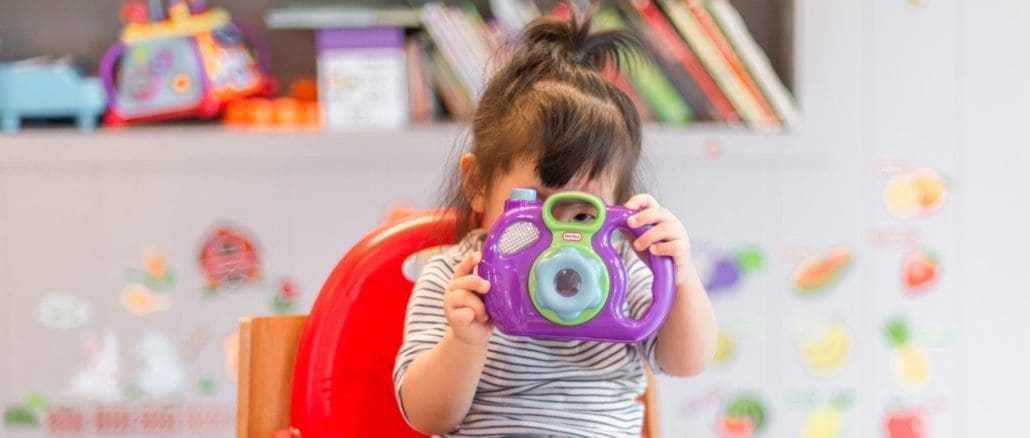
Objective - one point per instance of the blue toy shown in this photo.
(42, 88)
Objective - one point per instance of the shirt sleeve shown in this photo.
(638, 299)
(424, 321)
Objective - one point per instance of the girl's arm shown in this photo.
(685, 343)
(440, 384)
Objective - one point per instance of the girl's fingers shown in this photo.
(460, 318)
(652, 215)
(657, 233)
(463, 299)
(641, 201)
(671, 248)
(466, 266)
(472, 283)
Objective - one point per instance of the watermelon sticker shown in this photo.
(744, 416)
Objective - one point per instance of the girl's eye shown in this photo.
(583, 217)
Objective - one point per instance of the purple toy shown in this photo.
(565, 280)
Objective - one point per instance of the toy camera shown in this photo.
(191, 62)
(555, 279)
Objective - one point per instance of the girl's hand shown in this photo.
(463, 306)
(667, 236)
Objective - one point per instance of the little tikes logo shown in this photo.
(571, 236)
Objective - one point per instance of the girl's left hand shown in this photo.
(667, 236)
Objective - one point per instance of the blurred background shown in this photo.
(849, 173)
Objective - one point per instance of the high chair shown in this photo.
(329, 374)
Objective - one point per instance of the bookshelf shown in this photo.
(733, 60)
(771, 23)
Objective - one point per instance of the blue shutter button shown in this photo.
(523, 194)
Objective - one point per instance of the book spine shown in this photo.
(448, 47)
(663, 98)
(619, 79)
(705, 50)
(735, 64)
(447, 84)
(683, 54)
(736, 32)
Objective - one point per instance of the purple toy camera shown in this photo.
(556, 279)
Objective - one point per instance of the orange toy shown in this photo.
(298, 110)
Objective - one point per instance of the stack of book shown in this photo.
(699, 63)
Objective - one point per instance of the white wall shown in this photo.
(880, 83)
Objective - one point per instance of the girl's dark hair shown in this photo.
(550, 104)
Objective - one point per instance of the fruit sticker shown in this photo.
(63, 312)
(909, 361)
(228, 259)
(28, 413)
(744, 416)
(919, 271)
(905, 423)
(828, 419)
(917, 193)
(725, 348)
(140, 301)
(286, 297)
(155, 274)
(825, 350)
(726, 270)
(816, 274)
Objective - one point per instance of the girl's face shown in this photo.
(523, 175)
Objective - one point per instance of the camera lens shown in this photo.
(567, 282)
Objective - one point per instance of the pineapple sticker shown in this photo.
(828, 419)
(909, 361)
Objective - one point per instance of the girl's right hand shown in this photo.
(463, 306)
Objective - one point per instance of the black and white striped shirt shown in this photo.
(538, 386)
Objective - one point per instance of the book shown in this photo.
(730, 54)
(732, 26)
(455, 99)
(700, 91)
(686, 23)
(362, 76)
(440, 24)
(662, 97)
(513, 15)
(420, 90)
(619, 79)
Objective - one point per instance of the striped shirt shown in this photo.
(538, 386)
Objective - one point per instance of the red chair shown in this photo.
(341, 356)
